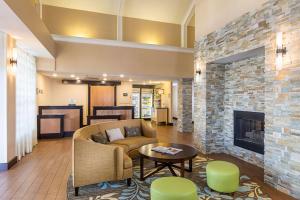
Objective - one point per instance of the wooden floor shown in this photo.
(43, 174)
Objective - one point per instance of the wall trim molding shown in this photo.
(7, 166)
(117, 43)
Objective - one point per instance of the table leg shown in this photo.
(191, 165)
(182, 169)
(141, 168)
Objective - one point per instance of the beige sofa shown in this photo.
(95, 162)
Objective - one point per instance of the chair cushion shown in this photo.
(135, 142)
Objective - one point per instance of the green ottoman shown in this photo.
(222, 176)
(173, 188)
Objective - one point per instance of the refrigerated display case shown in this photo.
(142, 100)
(136, 93)
(147, 103)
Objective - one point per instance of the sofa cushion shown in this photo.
(127, 161)
(135, 142)
(132, 131)
(100, 138)
(114, 134)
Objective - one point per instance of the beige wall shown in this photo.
(27, 13)
(151, 32)
(96, 25)
(11, 103)
(70, 22)
(56, 93)
(190, 36)
(96, 59)
(212, 15)
(7, 101)
(125, 87)
(166, 98)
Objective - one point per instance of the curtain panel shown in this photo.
(26, 127)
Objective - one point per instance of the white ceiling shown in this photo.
(170, 11)
(12, 25)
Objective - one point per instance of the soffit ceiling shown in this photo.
(170, 11)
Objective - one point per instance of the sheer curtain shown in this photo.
(26, 133)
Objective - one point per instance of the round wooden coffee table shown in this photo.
(166, 160)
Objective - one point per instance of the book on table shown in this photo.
(166, 150)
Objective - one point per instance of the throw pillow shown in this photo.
(100, 138)
(133, 131)
(114, 134)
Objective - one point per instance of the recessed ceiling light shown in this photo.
(103, 82)
(130, 80)
(105, 79)
(122, 75)
(54, 74)
(144, 83)
(72, 75)
(77, 78)
(78, 81)
(104, 75)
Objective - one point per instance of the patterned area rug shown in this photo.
(140, 190)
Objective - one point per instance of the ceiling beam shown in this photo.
(120, 20)
(185, 21)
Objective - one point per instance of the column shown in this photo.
(185, 105)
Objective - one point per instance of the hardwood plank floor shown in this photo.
(43, 174)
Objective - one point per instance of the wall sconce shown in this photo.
(13, 60)
(161, 91)
(280, 51)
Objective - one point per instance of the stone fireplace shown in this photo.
(249, 130)
(239, 74)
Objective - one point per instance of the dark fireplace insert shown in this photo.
(249, 129)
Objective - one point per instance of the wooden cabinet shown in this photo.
(160, 115)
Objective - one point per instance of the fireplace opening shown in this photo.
(249, 129)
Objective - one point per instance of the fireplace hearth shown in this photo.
(249, 129)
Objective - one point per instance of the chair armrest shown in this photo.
(94, 162)
(147, 130)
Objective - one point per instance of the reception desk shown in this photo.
(59, 121)
(126, 112)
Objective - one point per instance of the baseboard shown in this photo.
(50, 136)
(68, 134)
(7, 166)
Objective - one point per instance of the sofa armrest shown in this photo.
(147, 130)
(94, 162)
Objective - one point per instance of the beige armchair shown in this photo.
(95, 162)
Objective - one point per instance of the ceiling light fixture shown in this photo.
(122, 75)
(103, 82)
(105, 79)
(77, 78)
(104, 75)
(72, 75)
(130, 80)
(54, 74)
